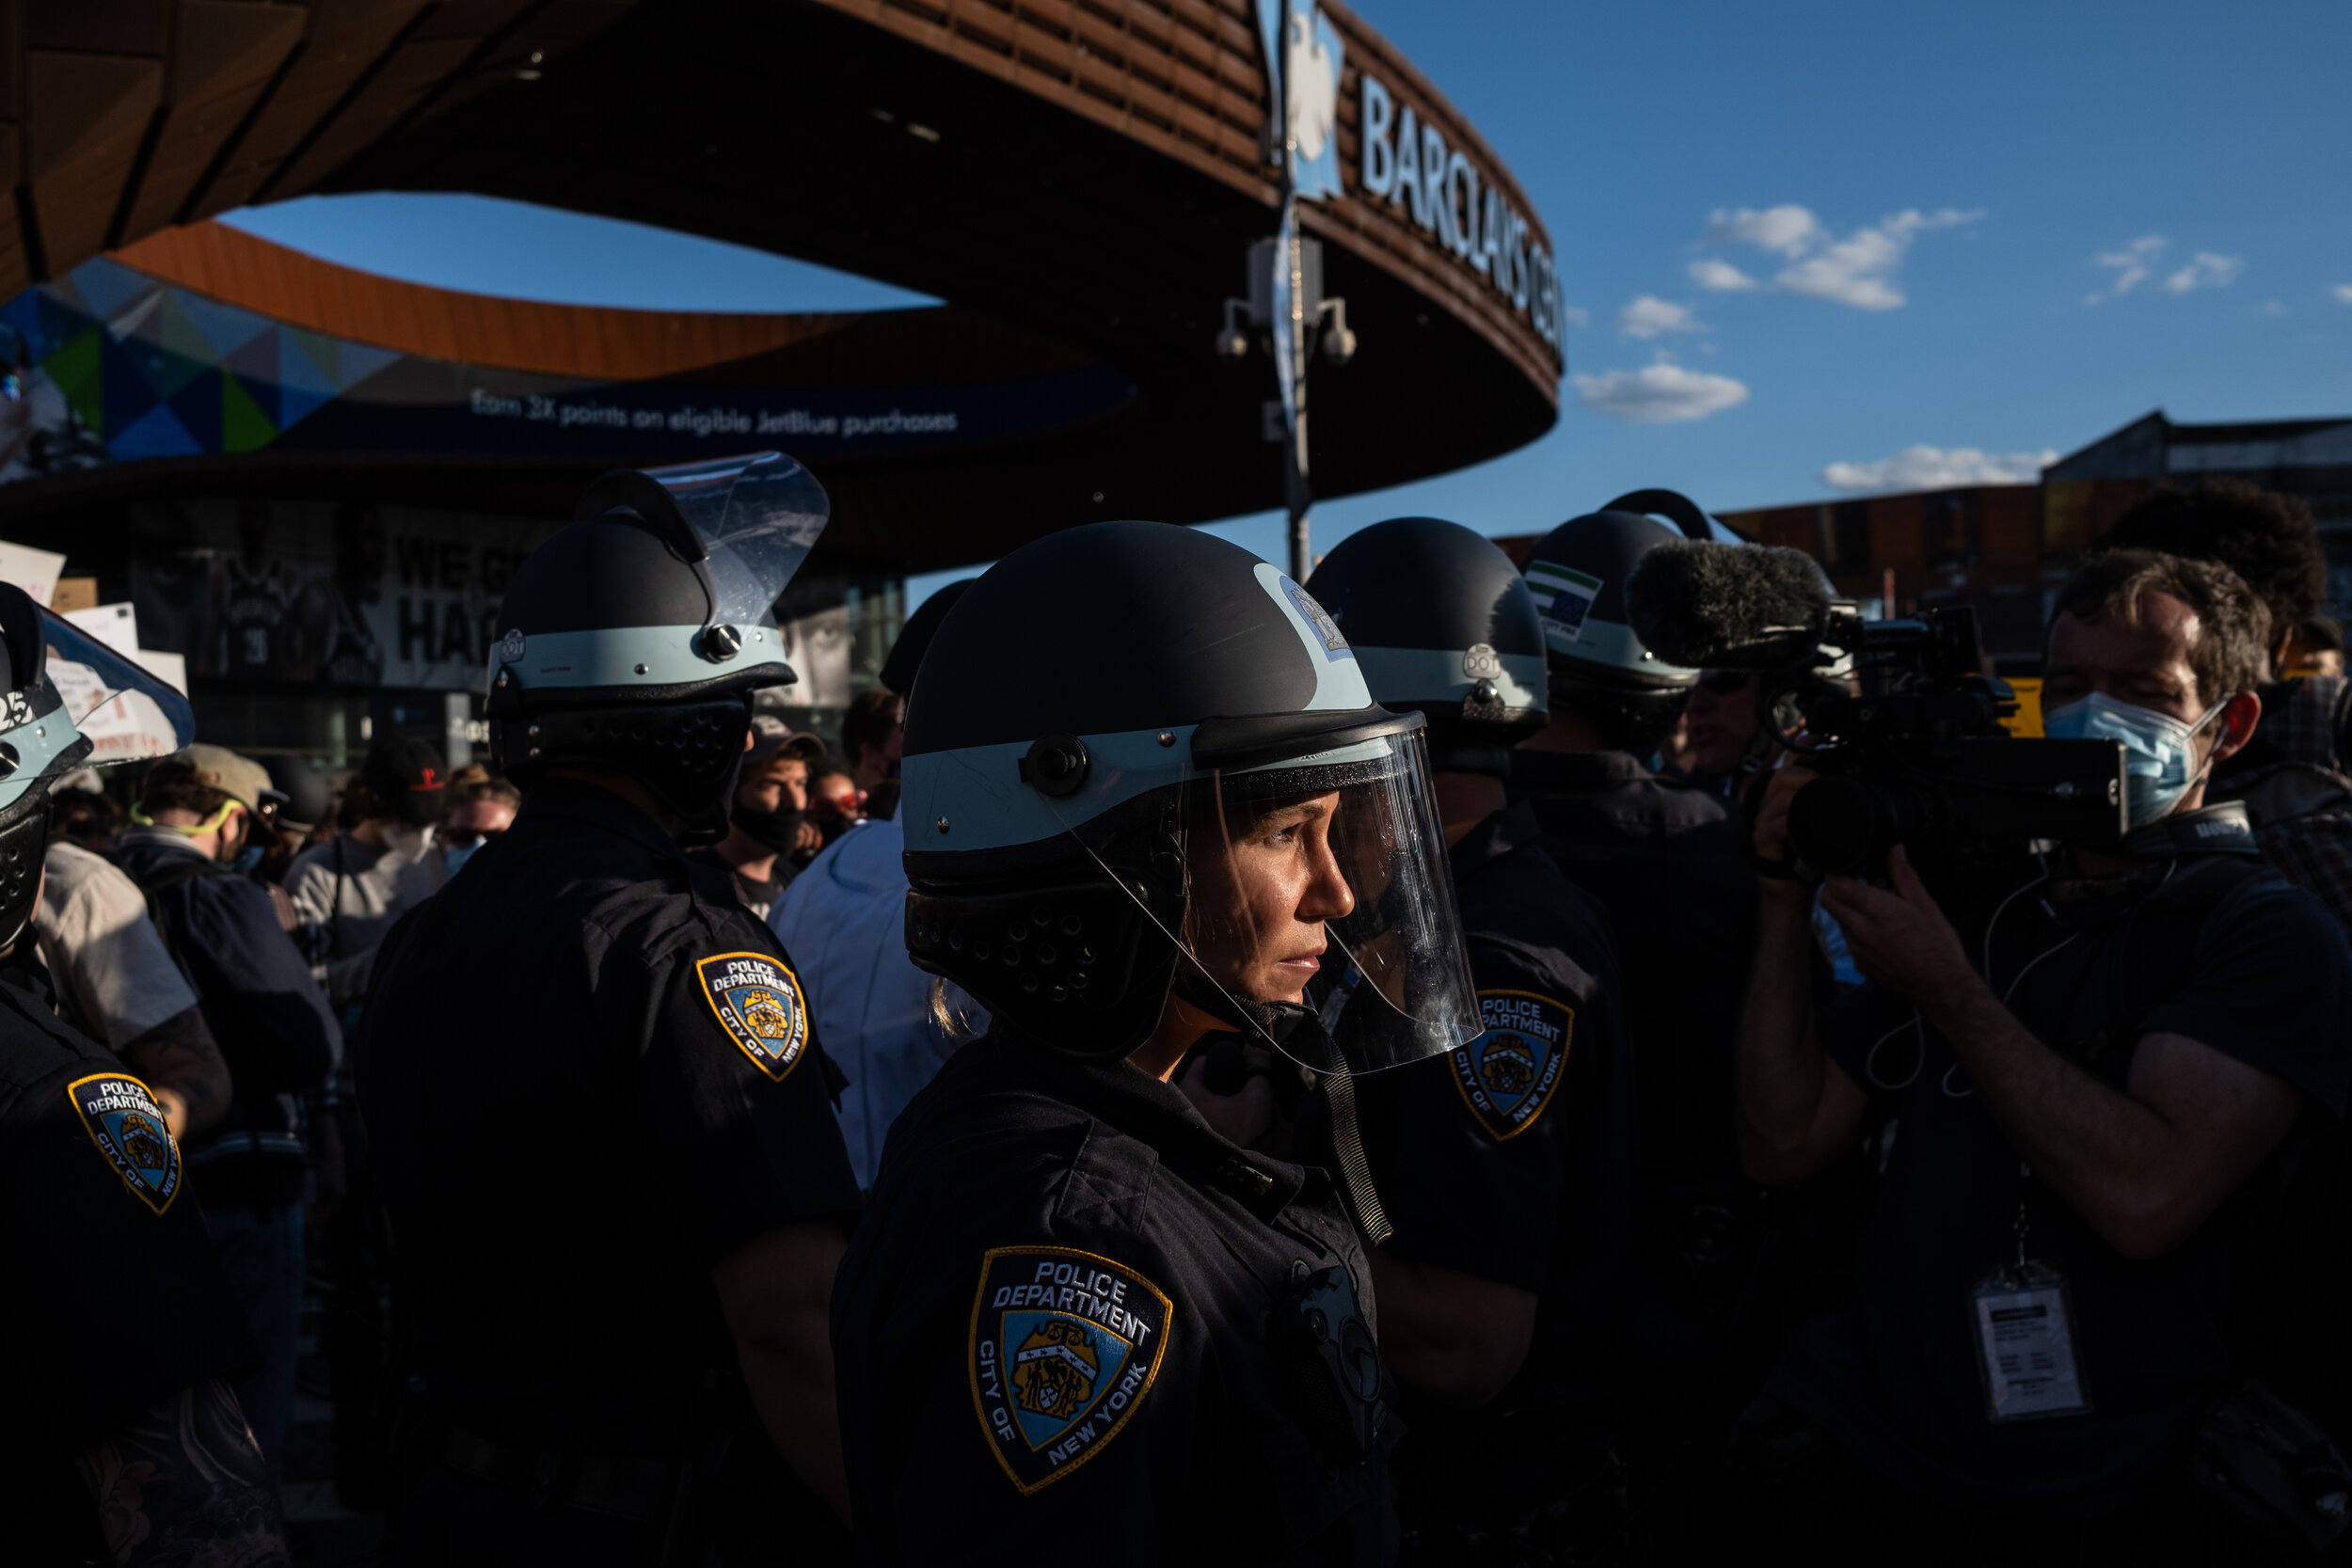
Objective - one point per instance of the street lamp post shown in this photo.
(1286, 296)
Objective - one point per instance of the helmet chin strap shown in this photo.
(1297, 1032)
(1272, 1021)
(705, 821)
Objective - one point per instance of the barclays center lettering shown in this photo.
(1402, 159)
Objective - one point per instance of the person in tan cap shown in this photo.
(201, 821)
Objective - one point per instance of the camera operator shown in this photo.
(1725, 743)
(2295, 775)
(2084, 1083)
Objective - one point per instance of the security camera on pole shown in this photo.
(1303, 58)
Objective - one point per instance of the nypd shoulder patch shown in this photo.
(1507, 1075)
(1065, 1345)
(759, 1003)
(127, 1125)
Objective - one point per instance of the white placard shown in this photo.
(34, 571)
(115, 624)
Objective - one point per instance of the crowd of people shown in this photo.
(1217, 1068)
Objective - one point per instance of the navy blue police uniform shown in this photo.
(1075, 1317)
(1668, 863)
(587, 1076)
(1512, 1159)
(114, 1300)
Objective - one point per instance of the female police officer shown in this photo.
(1148, 798)
(119, 1337)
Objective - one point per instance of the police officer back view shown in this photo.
(1508, 1165)
(1147, 798)
(1666, 861)
(119, 1334)
(1668, 864)
(600, 1119)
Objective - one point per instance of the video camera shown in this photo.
(1913, 753)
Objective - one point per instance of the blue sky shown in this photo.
(1815, 236)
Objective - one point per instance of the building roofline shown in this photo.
(589, 342)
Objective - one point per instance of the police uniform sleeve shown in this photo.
(2270, 983)
(114, 1298)
(737, 1093)
(1070, 1404)
(1483, 1147)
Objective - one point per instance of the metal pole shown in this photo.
(1290, 330)
(1295, 489)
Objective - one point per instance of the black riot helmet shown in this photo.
(1443, 624)
(309, 797)
(635, 638)
(915, 638)
(1600, 670)
(1117, 731)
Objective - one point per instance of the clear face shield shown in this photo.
(1320, 907)
(1322, 883)
(756, 517)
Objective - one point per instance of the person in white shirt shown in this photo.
(843, 919)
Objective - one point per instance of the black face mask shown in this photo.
(779, 830)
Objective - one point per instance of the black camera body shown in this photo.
(1916, 755)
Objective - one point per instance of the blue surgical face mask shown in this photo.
(453, 857)
(2159, 751)
(247, 858)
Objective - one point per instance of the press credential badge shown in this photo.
(2025, 1345)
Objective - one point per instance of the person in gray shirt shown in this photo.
(349, 891)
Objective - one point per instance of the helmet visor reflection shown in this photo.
(127, 713)
(759, 516)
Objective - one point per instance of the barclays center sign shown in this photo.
(1403, 161)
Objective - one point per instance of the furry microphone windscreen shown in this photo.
(1742, 607)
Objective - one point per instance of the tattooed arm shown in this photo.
(183, 1065)
(184, 1484)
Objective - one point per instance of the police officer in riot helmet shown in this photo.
(120, 1336)
(1669, 865)
(602, 1124)
(1148, 802)
(1660, 857)
(1506, 1166)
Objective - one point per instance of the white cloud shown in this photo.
(2134, 266)
(1663, 393)
(1722, 276)
(2342, 291)
(1858, 270)
(1652, 317)
(2136, 263)
(2270, 308)
(1938, 468)
(1791, 230)
(1577, 316)
(2204, 271)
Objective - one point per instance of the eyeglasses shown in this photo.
(217, 820)
(466, 838)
